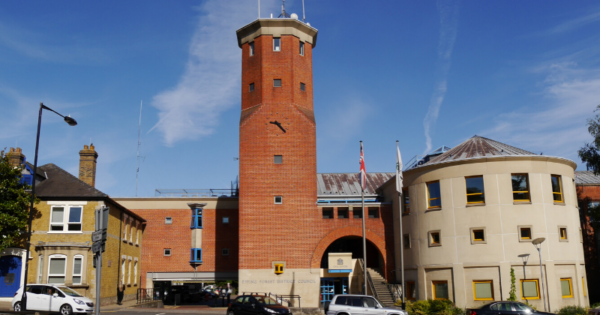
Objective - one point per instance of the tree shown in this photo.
(590, 153)
(513, 289)
(14, 204)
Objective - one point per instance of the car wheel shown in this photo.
(230, 313)
(66, 310)
(17, 307)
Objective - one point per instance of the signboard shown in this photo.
(102, 222)
(99, 236)
(340, 262)
(97, 247)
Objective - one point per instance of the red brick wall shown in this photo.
(178, 237)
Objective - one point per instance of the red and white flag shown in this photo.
(363, 172)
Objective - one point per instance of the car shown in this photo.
(504, 308)
(594, 311)
(255, 305)
(354, 304)
(51, 298)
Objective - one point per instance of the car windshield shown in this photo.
(265, 300)
(522, 307)
(69, 291)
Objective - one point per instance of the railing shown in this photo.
(369, 280)
(289, 299)
(197, 193)
(396, 290)
(147, 295)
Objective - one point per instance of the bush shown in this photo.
(572, 310)
(433, 307)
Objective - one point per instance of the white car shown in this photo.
(50, 298)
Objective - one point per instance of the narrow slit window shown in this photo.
(520, 186)
(276, 44)
(77, 267)
(405, 201)
(251, 48)
(251, 88)
(475, 190)
(434, 197)
(301, 48)
(406, 241)
(557, 188)
(276, 82)
(302, 87)
(563, 233)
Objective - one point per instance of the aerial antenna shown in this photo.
(259, 8)
(283, 14)
(303, 14)
(137, 172)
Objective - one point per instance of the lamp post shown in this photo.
(538, 245)
(71, 122)
(525, 257)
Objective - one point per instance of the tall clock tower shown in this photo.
(278, 159)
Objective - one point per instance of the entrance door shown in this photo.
(10, 275)
(327, 290)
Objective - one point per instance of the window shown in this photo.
(301, 49)
(251, 49)
(302, 87)
(357, 213)
(406, 241)
(251, 87)
(475, 190)
(168, 220)
(123, 268)
(435, 238)
(196, 255)
(40, 269)
(278, 159)
(135, 263)
(525, 233)
(276, 44)
(225, 252)
(66, 219)
(225, 220)
(131, 224)
(278, 269)
(434, 198)
(520, 187)
(196, 218)
(167, 252)
(278, 200)
(276, 82)
(342, 213)
(373, 213)
(566, 287)
(530, 289)
(583, 286)
(405, 201)
(556, 188)
(137, 234)
(478, 236)
(125, 220)
(57, 267)
(77, 267)
(562, 233)
(129, 272)
(483, 290)
(411, 290)
(327, 213)
(440, 290)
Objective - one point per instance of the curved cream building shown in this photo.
(472, 214)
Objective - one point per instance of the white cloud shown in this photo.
(575, 23)
(448, 31)
(210, 83)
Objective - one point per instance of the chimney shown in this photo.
(87, 165)
(15, 157)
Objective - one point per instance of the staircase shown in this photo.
(381, 288)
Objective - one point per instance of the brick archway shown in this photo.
(343, 232)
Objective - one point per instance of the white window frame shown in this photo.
(80, 275)
(131, 223)
(123, 259)
(280, 201)
(125, 220)
(165, 252)
(274, 47)
(129, 271)
(168, 220)
(64, 274)
(66, 212)
(251, 47)
(135, 268)
(137, 233)
(40, 268)
(301, 48)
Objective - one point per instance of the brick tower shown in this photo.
(278, 165)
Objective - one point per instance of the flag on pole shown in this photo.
(363, 172)
(398, 170)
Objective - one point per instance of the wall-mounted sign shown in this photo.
(340, 262)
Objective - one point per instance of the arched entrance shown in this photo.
(10, 275)
(354, 245)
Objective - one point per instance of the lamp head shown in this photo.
(70, 121)
(525, 257)
(538, 241)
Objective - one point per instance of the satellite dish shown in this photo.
(294, 16)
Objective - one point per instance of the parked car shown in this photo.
(256, 304)
(504, 308)
(50, 298)
(354, 304)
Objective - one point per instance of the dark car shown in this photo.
(255, 305)
(505, 308)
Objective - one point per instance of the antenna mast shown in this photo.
(137, 172)
(283, 14)
(303, 14)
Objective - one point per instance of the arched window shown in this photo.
(77, 269)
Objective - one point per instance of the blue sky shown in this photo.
(423, 72)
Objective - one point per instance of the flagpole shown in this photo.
(400, 204)
(363, 224)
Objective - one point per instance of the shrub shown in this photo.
(433, 307)
(572, 310)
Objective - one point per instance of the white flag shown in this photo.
(398, 170)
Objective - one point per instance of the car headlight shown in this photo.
(270, 311)
(78, 301)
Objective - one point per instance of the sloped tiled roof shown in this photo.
(348, 184)
(586, 178)
(477, 147)
(61, 183)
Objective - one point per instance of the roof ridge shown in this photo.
(73, 176)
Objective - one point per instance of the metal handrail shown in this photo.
(146, 295)
(369, 280)
(396, 291)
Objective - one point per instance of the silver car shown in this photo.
(354, 304)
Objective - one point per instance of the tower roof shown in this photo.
(276, 28)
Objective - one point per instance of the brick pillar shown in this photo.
(87, 165)
(15, 157)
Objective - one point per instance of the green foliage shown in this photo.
(14, 205)
(590, 153)
(512, 295)
(572, 310)
(527, 303)
(433, 307)
(597, 304)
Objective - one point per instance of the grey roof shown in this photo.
(348, 184)
(477, 147)
(586, 178)
(61, 183)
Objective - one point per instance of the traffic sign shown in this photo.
(99, 236)
(96, 247)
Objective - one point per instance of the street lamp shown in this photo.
(71, 122)
(525, 257)
(538, 244)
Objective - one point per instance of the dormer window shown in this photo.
(276, 44)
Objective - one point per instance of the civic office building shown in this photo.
(469, 214)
